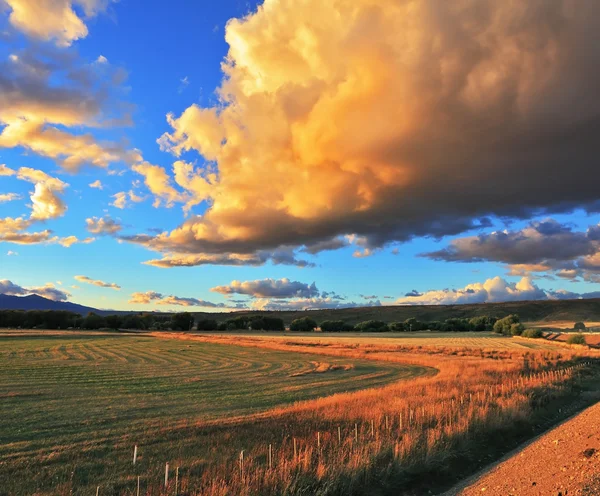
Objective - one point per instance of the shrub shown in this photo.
(504, 326)
(576, 339)
(517, 329)
(533, 333)
(262, 323)
(371, 326)
(336, 326)
(305, 324)
(579, 326)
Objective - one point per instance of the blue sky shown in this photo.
(376, 152)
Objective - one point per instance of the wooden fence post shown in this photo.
(295, 450)
(166, 474)
(270, 457)
(339, 434)
(135, 454)
(176, 480)
(242, 464)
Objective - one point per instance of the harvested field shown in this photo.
(485, 340)
(252, 415)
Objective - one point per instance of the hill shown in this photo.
(529, 311)
(35, 302)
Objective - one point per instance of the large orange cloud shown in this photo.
(390, 120)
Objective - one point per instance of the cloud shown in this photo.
(51, 119)
(542, 246)
(159, 183)
(491, 291)
(7, 197)
(144, 298)
(169, 260)
(307, 304)
(269, 288)
(122, 196)
(46, 198)
(536, 243)
(103, 225)
(56, 20)
(160, 299)
(48, 291)
(339, 104)
(97, 184)
(95, 282)
(71, 240)
(11, 253)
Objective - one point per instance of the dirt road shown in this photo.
(563, 462)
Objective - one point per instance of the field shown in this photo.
(66, 398)
(424, 338)
(287, 414)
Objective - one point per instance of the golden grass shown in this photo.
(402, 433)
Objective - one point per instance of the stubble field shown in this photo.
(290, 414)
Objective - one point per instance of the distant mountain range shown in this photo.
(35, 302)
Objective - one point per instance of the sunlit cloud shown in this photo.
(338, 105)
(7, 197)
(54, 19)
(97, 184)
(96, 282)
(269, 288)
(48, 291)
(103, 225)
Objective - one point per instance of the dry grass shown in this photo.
(403, 438)
(406, 433)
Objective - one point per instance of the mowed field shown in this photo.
(73, 406)
(476, 340)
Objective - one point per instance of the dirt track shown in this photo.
(564, 461)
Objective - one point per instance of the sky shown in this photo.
(294, 154)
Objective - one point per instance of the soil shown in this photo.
(563, 462)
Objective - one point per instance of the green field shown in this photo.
(73, 406)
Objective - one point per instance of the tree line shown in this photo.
(59, 319)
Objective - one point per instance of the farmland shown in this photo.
(68, 398)
(338, 414)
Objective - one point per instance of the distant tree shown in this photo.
(304, 324)
(336, 326)
(413, 324)
(132, 321)
(273, 324)
(114, 321)
(579, 326)
(504, 326)
(237, 323)
(371, 326)
(182, 321)
(397, 326)
(206, 325)
(576, 339)
(93, 321)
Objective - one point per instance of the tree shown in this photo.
(206, 325)
(93, 321)
(182, 321)
(336, 326)
(304, 324)
(504, 326)
(397, 326)
(579, 326)
(371, 326)
(517, 329)
(114, 321)
(413, 324)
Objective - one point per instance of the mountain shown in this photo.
(35, 302)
